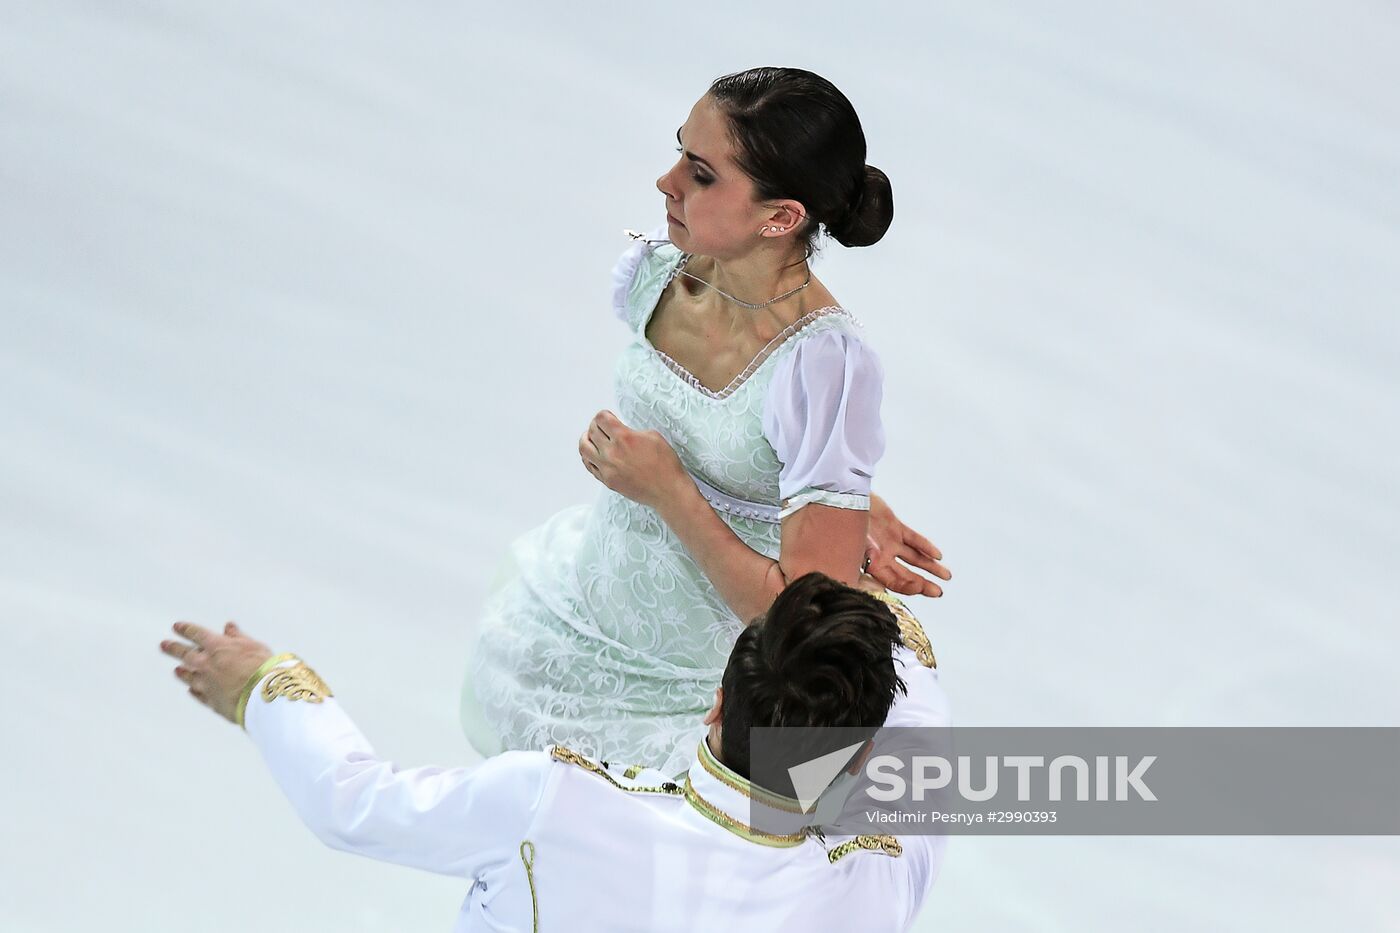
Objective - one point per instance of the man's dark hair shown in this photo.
(820, 656)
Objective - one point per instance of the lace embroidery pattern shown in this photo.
(603, 635)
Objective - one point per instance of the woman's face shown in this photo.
(709, 201)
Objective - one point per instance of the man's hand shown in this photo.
(215, 666)
(891, 541)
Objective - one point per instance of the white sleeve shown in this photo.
(454, 821)
(924, 705)
(625, 270)
(822, 418)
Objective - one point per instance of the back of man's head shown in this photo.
(820, 656)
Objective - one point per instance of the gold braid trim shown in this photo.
(297, 682)
(703, 806)
(529, 861)
(241, 709)
(749, 789)
(707, 809)
(560, 753)
(632, 771)
(910, 631)
(886, 844)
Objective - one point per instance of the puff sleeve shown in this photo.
(625, 270)
(822, 418)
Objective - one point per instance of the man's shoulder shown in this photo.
(911, 632)
(511, 780)
(522, 778)
(630, 778)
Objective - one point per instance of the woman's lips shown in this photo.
(673, 220)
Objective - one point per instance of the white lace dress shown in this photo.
(603, 634)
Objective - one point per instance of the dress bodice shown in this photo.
(719, 436)
(605, 634)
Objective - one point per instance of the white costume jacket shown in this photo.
(550, 840)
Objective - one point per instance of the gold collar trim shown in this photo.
(717, 770)
(742, 830)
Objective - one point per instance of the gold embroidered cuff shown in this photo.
(269, 664)
(297, 682)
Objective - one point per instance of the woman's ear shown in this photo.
(786, 215)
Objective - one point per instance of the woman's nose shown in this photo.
(663, 184)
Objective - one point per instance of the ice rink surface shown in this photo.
(304, 306)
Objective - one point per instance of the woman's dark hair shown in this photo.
(821, 656)
(798, 137)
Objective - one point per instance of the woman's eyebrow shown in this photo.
(692, 156)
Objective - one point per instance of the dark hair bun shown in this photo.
(797, 136)
(870, 213)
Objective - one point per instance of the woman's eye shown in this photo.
(698, 178)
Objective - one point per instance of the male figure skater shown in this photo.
(552, 840)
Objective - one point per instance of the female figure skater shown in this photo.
(741, 457)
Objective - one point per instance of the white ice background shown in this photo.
(304, 305)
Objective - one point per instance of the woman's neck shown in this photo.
(755, 278)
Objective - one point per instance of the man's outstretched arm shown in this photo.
(453, 821)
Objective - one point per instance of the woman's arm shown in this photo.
(642, 466)
(815, 537)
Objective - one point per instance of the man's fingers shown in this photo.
(597, 436)
(184, 674)
(176, 649)
(193, 632)
(232, 629)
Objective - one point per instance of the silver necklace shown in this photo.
(685, 258)
(739, 301)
